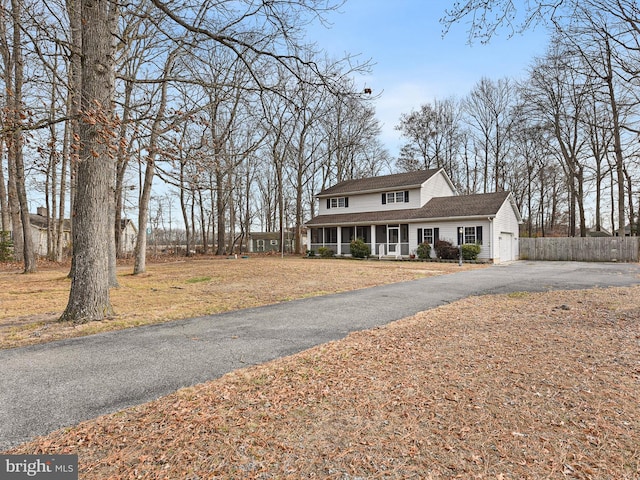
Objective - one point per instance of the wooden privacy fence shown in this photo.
(580, 249)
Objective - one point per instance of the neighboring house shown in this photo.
(129, 236)
(627, 230)
(395, 213)
(39, 233)
(270, 241)
(592, 232)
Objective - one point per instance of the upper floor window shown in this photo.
(395, 197)
(338, 202)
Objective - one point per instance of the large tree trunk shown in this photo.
(29, 255)
(74, 10)
(5, 220)
(12, 210)
(14, 205)
(89, 296)
(8, 200)
(140, 262)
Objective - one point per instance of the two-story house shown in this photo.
(395, 213)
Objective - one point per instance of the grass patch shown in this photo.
(198, 279)
(518, 295)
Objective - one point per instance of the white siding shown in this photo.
(449, 232)
(436, 186)
(371, 202)
(507, 222)
(39, 240)
(129, 236)
(451, 235)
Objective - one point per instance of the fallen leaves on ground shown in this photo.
(524, 386)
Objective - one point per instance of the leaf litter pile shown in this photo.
(524, 386)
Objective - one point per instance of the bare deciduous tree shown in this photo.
(89, 295)
(433, 138)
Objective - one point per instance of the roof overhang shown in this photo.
(514, 205)
(372, 190)
(402, 220)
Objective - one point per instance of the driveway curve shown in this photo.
(49, 386)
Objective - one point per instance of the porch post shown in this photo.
(339, 246)
(373, 240)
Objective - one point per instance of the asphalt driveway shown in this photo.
(45, 387)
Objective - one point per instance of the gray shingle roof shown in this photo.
(385, 182)
(463, 205)
(40, 222)
(486, 204)
(364, 217)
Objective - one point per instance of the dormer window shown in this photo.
(338, 202)
(395, 197)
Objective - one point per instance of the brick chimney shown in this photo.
(42, 211)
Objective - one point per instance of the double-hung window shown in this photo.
(395, 197)
(471, 235)
(428, 235)
(338, 202)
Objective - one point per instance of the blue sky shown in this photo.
(414, 64)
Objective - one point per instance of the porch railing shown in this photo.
(377, 249)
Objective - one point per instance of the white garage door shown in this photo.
(506, 247)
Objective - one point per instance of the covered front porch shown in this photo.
(384, 240)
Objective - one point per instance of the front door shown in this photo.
(393, 240)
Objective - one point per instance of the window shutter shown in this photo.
(328, 203)
(479, 235)
(436, 235)
(384, 198)
(420, 237)
(346, 202)
(406, 196)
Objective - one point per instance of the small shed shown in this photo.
(261, 242)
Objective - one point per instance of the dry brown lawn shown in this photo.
(519, 386)
(30, 305)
